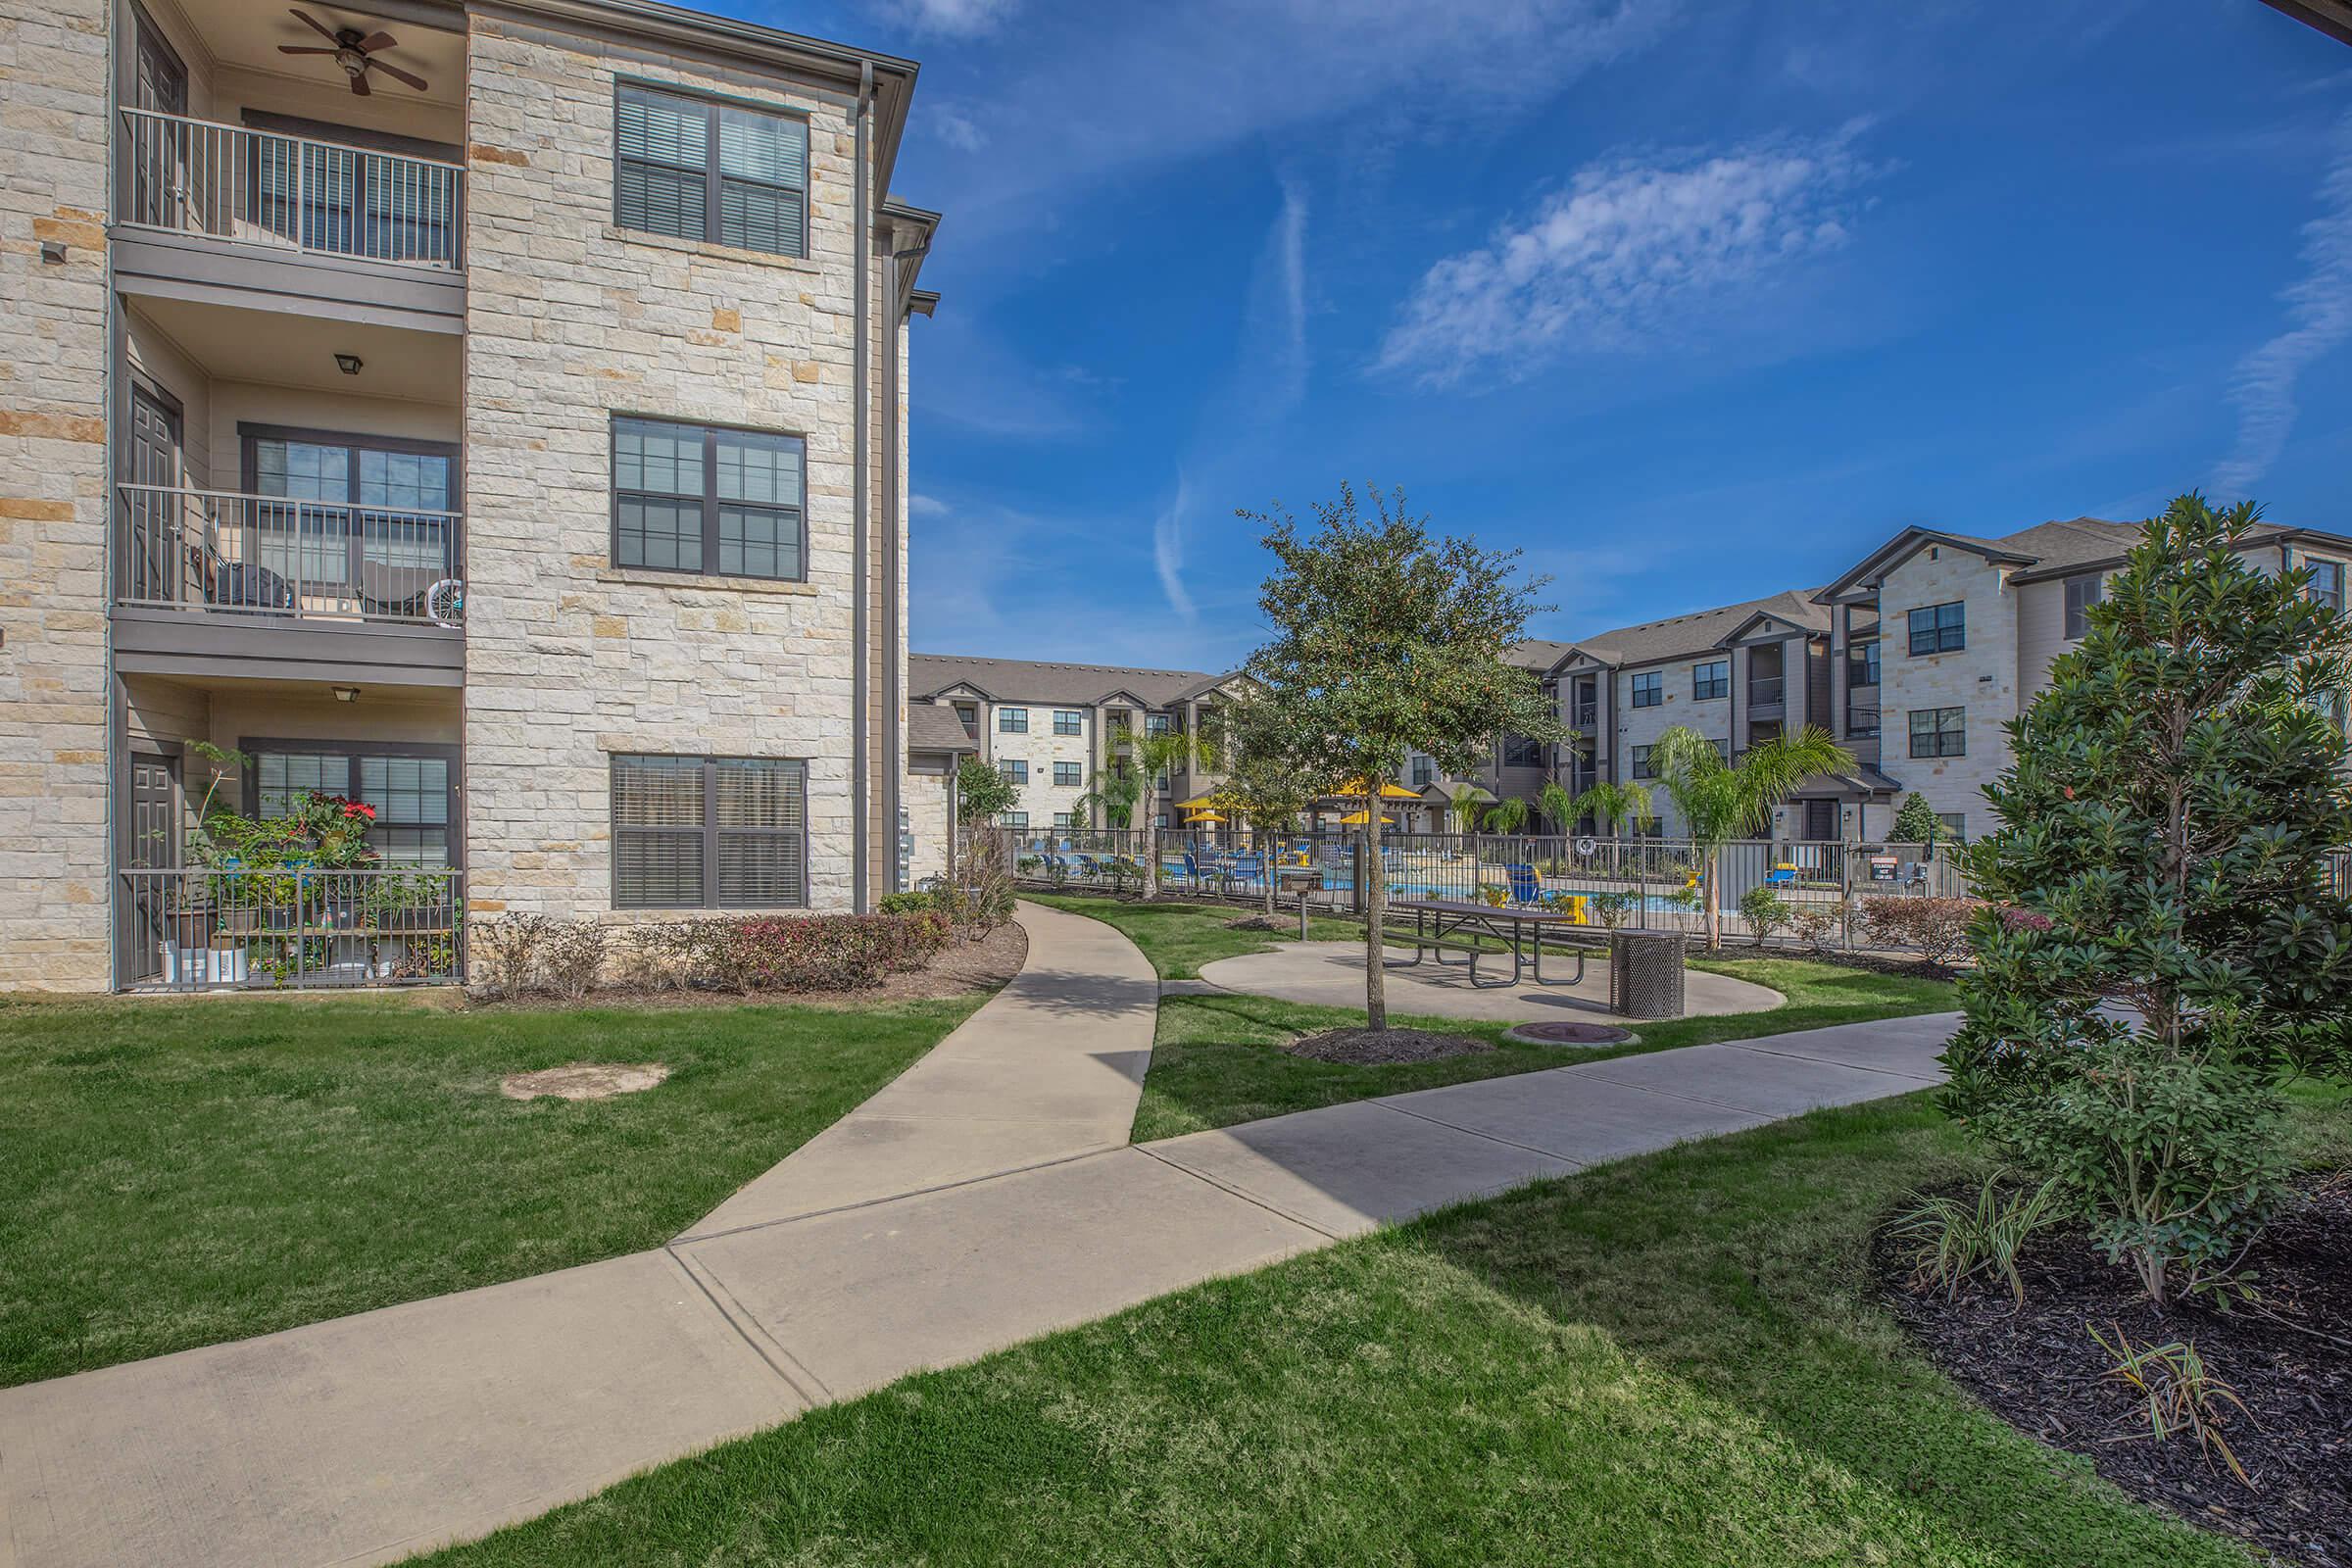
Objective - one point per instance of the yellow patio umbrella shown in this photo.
(1202, 816)
(1359, 818)
(1199, 802)
(1354, 789)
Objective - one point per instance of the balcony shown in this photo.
(1767, 696)
(204, 929)
(1861, 717)
(289, 193)
(227, 579)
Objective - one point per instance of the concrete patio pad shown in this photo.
(1331, 974)
(367, 1437)
(1345, 1169)
(1049, 1069)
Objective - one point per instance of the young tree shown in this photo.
(1263, 785)
(1386, 641)
(1506, 816)
(1612, 805)
(1155, 756)
(1719, 801)
(2165, 942)
(1916, 823)
(982, 793)
(1464, 809)
(1113, 794)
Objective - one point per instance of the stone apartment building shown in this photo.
(492, 413)
(1051, 728)
(1914, 659)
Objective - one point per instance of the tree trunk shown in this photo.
(1265, 863)
(1707, 871)
(1376, 902)
(1151, 857)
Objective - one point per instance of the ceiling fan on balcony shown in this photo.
(354, 51)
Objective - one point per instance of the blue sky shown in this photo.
(1691, 300)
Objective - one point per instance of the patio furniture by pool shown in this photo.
(1782, 875)
(1526, 886)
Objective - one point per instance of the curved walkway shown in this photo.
(1331, 974)
(369, 1437)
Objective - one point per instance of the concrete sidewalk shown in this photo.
(367, 1437)
(1050, 1068)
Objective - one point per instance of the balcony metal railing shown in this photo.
(225, 553)
(196, 928)
(1861, 718)
(1585, 715)
(258, 187)
(1766, 691)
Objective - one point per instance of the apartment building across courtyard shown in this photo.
(1914, 658)
(490, 415)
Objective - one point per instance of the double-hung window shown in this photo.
(2327, 584)
(698, 170)
(1939, 628)
(410, 786)
(1711, 680)
(711, 501)
(1016, 819)
(1649, 688)
(710, 832)
(1012, 721)
(1157, 724)
(1067, 774)
(1069, 721)
(2081, 594)
(1643, 768)
(1940, 732)
(1013, 769)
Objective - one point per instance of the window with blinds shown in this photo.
(697, 170)
(410, 791)
(710, 832)
(708, 499)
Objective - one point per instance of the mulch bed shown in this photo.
(1559, 1033)
(1255, 923)
(1363, 1048)
(2038, 1370)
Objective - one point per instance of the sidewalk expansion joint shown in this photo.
(782, 1362)
(692, 1237)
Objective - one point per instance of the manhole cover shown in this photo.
(1569, 1034)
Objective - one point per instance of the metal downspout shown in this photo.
(860, 655)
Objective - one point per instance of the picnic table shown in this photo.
(1440, 925)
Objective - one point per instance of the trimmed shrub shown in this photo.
(1937, 927)
(507, 951)
(1815, 925)
(572, 956)
(1764, 911)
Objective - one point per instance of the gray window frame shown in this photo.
(1076, 772)
(1018, 822)
(1938, 635)
(710, 829)
(710, 498)
(1936, 733)
(1070, 721)
(1654, 689)
(1006, 725)
(2333, 597)
(1013, 769)
(454, 826)
(1637, 763)
(1706, 689)
(714, 182)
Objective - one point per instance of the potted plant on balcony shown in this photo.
(275, 875)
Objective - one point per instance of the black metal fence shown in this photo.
(1605, 882)
(198, 929)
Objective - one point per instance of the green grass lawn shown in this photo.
(1670, 1361)
(186, 1172)
(1214, 1059)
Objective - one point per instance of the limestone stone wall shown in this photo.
(1982, 677)
(926, 803)
(53, 496)
(571, 319)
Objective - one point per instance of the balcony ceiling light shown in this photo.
(347, 694)
(348, 363)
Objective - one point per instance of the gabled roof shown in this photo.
(1024, 680)
(933, 728)
(1701, 632)
(2047, 549)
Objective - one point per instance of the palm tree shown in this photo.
(1614, 806)
(1719, 801)
(1558, 805)
(1507, 815)
(1155, 755)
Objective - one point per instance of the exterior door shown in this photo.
(159, 149)
(153, 458)
(153, 829)
(1821, 820)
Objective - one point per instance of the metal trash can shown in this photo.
(1646, 973)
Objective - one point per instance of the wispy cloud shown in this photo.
(2318, 310)
(951, 18)
(1168, 549)
(1626, 250)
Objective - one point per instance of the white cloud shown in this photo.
(919, 504)
(954, 19)
(1168, 551)
(1612, 261)
(2319, 307)
(955, 127)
